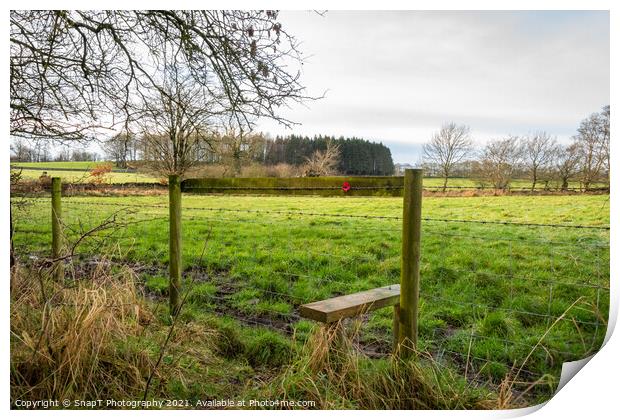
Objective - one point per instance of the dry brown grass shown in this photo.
(65, 339)
(282, 170)
(252, 170)
(332, 372)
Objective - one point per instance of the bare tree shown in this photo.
(175, 121)
(323, 162)
(64, 155)
(538, 152)
(236, 148)
(566, 162)
(74, 73)
(592, 140)
(499, 161)
(121, 148)
(605, 131)
(81, 155)
(21, 151)
(449, 146)
(41, 150)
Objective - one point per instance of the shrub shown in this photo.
(282, 170)
(252, 170)
(99, 172)
(45, 179)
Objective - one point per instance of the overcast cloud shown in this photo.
(396, 77)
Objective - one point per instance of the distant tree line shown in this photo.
(357, 156)
(537, 157)
(450, 152)
(39, 151)
(313, 156)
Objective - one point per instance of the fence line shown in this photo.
(497, 308)
(263, 315)
(389, 187)
(280, 223)
(343, 257)
(354, 216)
(505, 276)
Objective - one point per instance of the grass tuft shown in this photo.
(268, 348)
(329, 372)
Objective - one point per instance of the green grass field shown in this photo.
(81, 175)
(490, 293)
(515, 184)
(83, 166)
(77, 172)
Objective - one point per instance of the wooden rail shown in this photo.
(330, 186)
(337, 308)
(404, 297)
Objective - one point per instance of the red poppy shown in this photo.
(346, 186)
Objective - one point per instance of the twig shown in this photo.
(175, 317)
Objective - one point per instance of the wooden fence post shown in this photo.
(410, 262)
(57, 228)
(174, 189)
(396, 328)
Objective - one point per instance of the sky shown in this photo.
(397, 76)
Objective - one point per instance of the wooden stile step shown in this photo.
(334, 309)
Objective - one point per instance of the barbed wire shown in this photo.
(355, 258)
(259, 312)
(509, 223)
(427, 232)
(448, 333)
(500, 309)
(351, 216)
(187, 188)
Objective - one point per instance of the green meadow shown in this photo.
(78, 172)
(496, 299)
(82, 166)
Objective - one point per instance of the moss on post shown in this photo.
(57, 228)
(328, 186)
(410, 262)
(174, 189)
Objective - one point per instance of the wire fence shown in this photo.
(146, 187)
(496, 295)
(436, 188)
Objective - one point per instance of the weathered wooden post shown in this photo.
(174, 189)
(396, 328)
(58, 272)
(410, 262)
